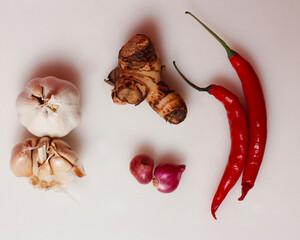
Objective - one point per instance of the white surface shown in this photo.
(79, 41)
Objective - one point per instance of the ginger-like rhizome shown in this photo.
(138, 77)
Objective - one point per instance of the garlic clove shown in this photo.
(42, 149)
(21, 158)
(78, 169)
(60, 165)
(59, 144)
(31, 142)
(45, 171)
(20, 162)
(44, 141)
(35, 160)
(42, 154)
(68, 154)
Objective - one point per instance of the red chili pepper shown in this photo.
(239, 139)
(257, 115)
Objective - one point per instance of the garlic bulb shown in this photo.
(48, 163)
(49, 107)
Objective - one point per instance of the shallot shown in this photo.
(141, 167)
(167, 176)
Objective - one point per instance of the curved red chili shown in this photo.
(239, 139)
(257, 115)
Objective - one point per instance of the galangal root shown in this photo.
(138, 77)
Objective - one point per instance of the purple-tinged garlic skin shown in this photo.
(48, 163)
(167, 176)
(141, 167)
(49, 107)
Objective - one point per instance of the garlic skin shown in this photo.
(49, 107)
(48, 163)
(20, 162)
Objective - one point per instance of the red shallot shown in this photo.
(167, 176)
(141, 167)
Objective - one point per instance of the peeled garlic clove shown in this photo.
(21, 162)
(49, 107)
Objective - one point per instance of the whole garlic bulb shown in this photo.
(49, 107)
(48, 163)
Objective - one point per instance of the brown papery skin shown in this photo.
(138, 77)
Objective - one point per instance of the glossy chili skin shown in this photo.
(239, 133)
(239, 143)
(257, 117)
(256, 109)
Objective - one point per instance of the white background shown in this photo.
(79, 41)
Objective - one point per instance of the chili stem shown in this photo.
(206, 89)
(230, 52)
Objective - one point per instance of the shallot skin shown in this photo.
(141, 167)
(167, 176)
